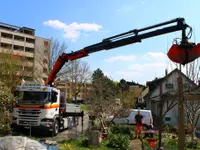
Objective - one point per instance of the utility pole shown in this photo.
(160, 116)
(181, 129)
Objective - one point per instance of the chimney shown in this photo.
(166, 72)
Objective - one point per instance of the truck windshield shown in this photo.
(33, 97)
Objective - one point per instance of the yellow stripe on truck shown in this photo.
(48, 106)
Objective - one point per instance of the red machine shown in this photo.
(179, 53)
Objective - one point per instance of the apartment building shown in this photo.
(32, 50)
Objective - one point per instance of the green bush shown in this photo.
(119, 141)
(192, 145)
(122, 129)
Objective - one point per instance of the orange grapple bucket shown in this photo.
(178, 54)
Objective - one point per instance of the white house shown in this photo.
(167, 88)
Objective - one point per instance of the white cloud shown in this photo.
(56, 24)
(121, 58)
(128, 73)
(150, 67)
(73, 30)
(155, 56)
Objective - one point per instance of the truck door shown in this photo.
(55, 102)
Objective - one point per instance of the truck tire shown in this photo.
(56, 128)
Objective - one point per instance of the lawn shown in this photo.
(79, 145)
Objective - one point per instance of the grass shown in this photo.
(78, 145)
(84, 107)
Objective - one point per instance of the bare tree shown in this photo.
(78, 75)
(193, 71)
(192, 108)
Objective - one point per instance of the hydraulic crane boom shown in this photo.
(133, 36)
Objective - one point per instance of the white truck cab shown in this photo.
(42, 107)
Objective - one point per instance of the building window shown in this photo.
(46, 43)
(44, 70)
(6, 35)
(45, 61)
(19, 38)
(30, 50)
(169, 86)
(19, 48)
(5, 45)
(26, 68)
(185, 86)
(27, 78)
(29, 59)
(29, 40)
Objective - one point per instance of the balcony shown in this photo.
(25, 73)
(18, 43)
(6, 40)
(16, 33)
(30, 42)
(30, 45)
(19, 38)
(28, 64)
(22, 53)
(28, 73)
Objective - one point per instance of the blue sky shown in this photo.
(83, 23)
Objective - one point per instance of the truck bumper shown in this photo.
(37, 128)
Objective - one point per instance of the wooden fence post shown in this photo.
(181, 129)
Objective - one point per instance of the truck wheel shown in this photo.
(56, 128)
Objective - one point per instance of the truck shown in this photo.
(44, 107)
(128, 117)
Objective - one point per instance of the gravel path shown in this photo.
(136, 144)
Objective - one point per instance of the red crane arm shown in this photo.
(61, 61)
(119, 40)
